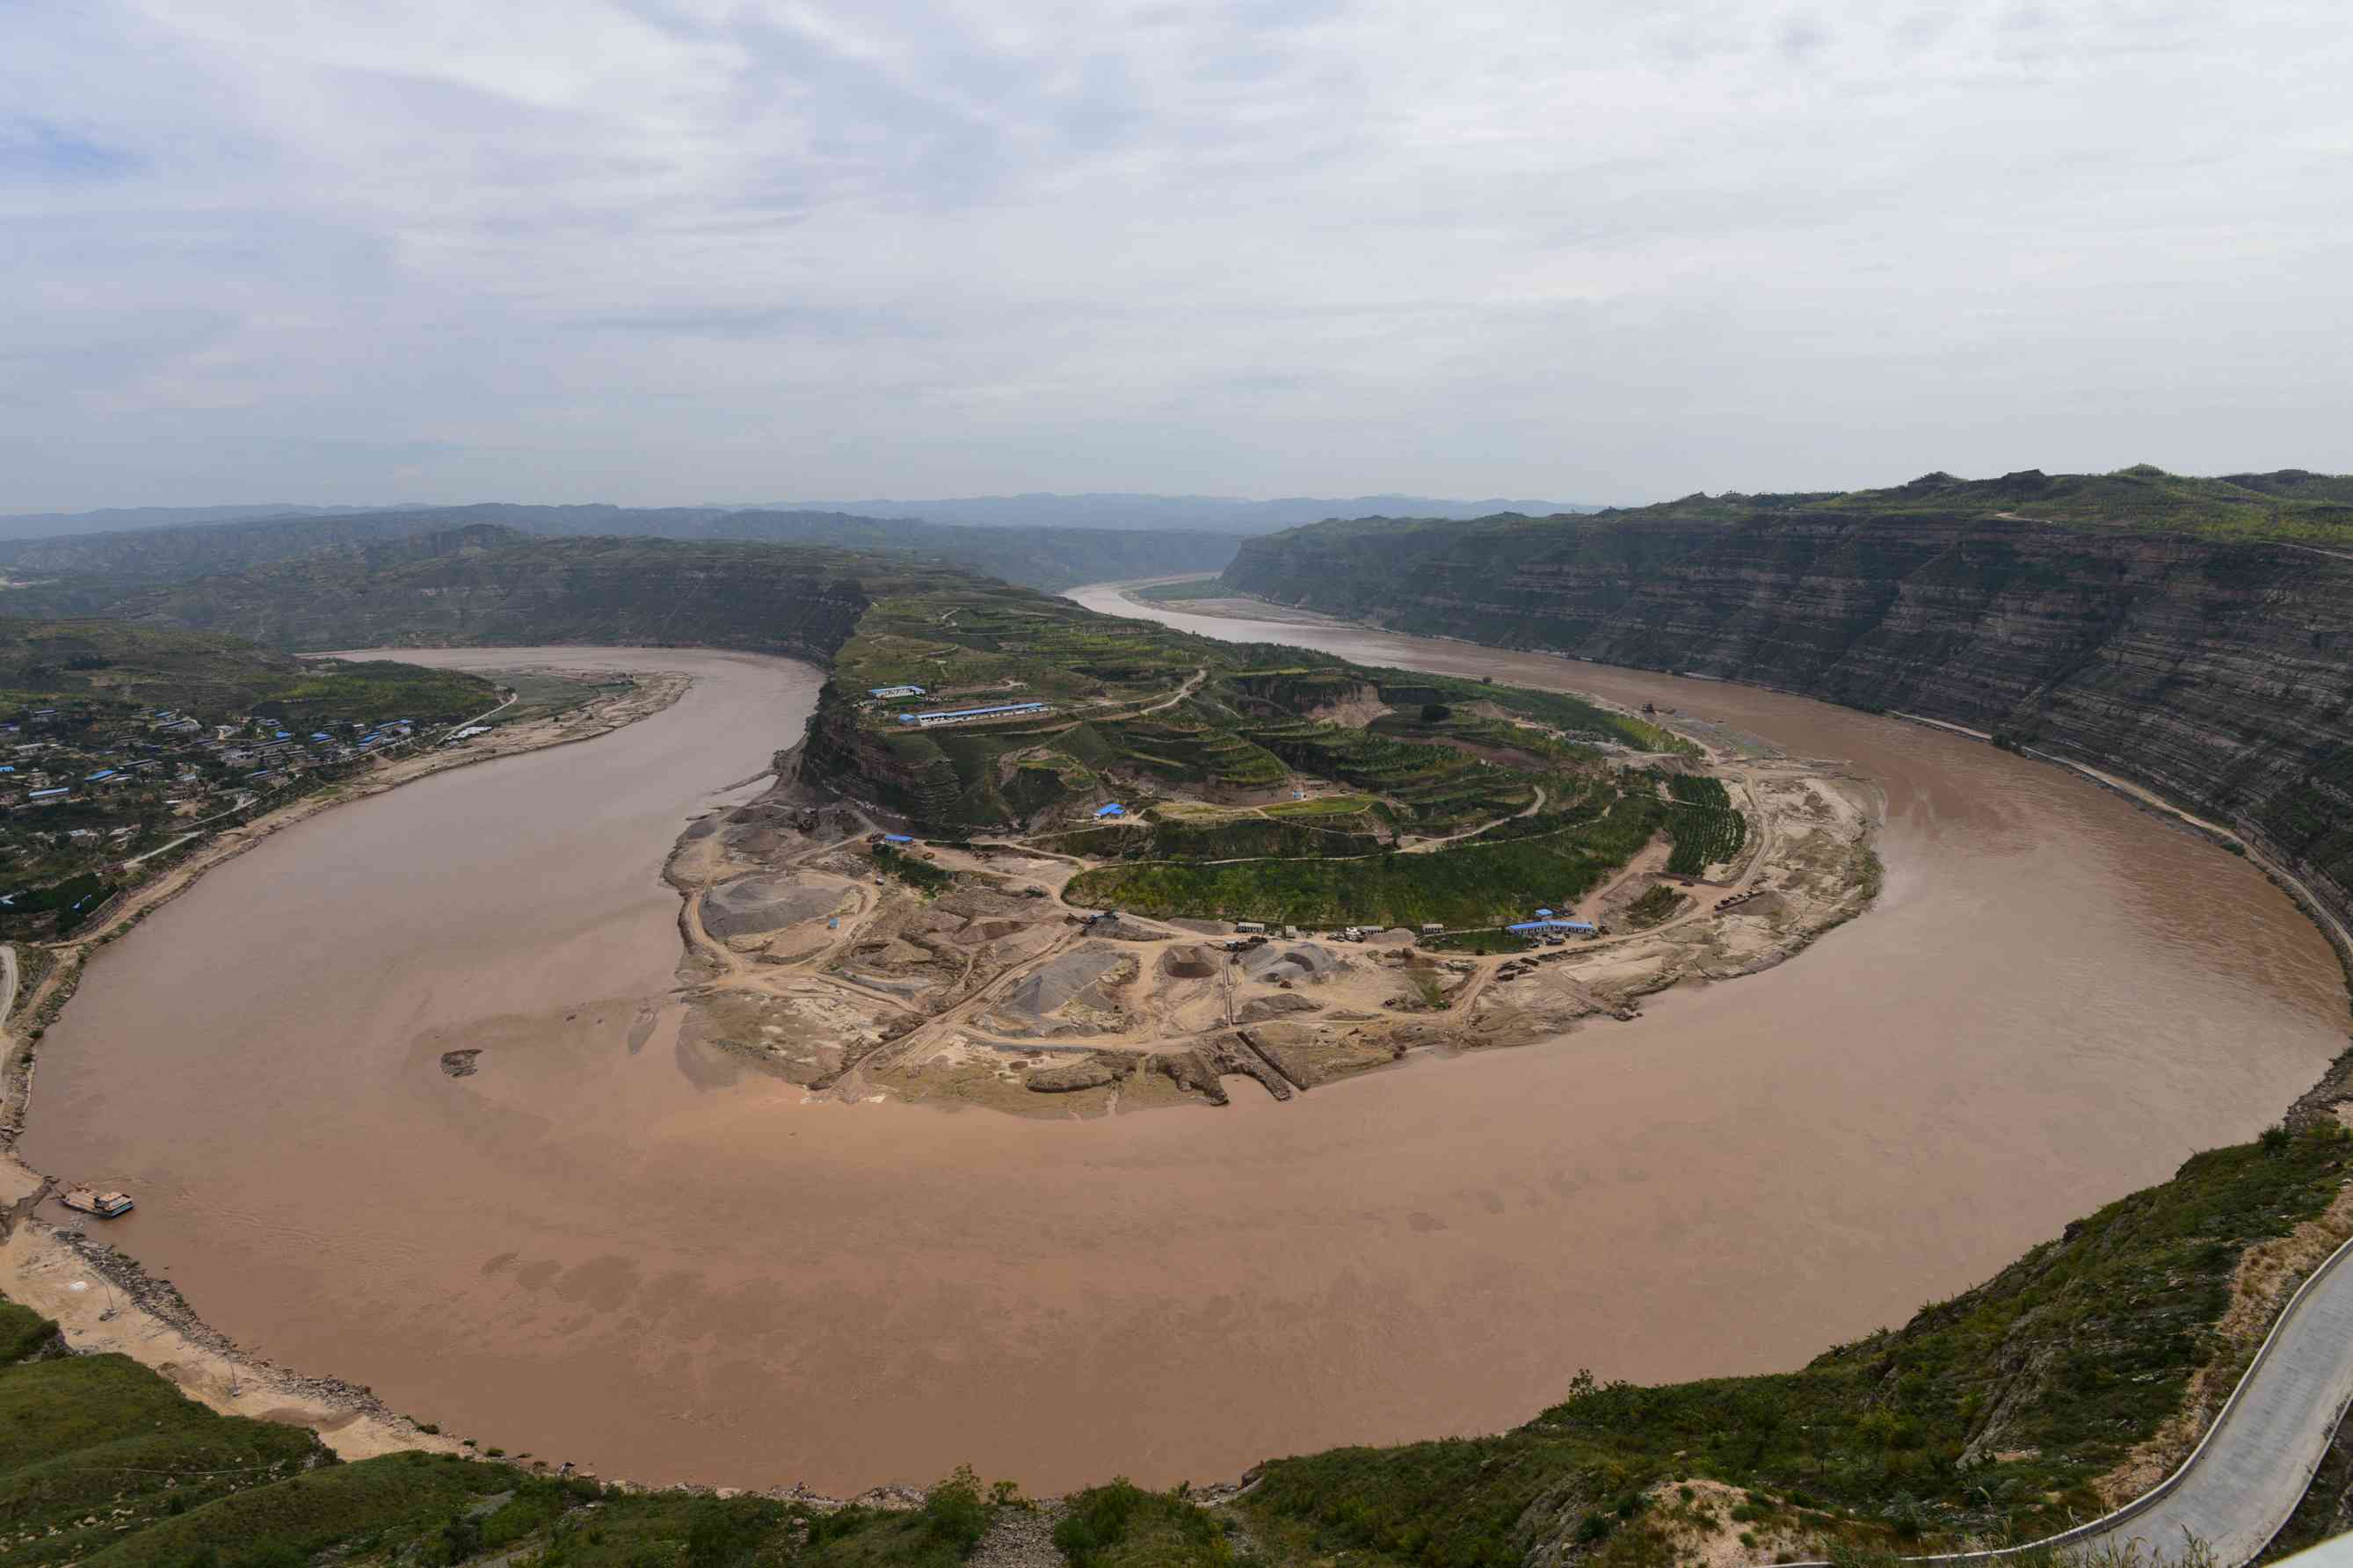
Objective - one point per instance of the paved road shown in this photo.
(2252, 1469)
(2244, 1480)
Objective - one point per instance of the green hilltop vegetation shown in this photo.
(1131, 706)
(110, 665)
(1265, 782)
(1529, 862)
(2291, 505)
(1986, 1416)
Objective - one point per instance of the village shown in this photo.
(89, 793)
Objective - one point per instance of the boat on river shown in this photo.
(105, 1206)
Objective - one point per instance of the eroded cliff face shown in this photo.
(2219, 674)
(905, 774)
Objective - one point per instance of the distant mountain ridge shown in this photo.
(74, 572)
(1231, 514)
(114, 519)
(1118, 510)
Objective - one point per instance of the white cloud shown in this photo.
(684, 247)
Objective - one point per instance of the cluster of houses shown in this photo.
(157, 762)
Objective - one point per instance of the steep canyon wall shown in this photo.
(2218, 673)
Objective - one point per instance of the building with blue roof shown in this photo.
(1582, 927)
(1114, 809)
(962, 715)
(896, 838)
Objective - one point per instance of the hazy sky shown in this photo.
(568, 250)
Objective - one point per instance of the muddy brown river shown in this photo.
(610, 1248)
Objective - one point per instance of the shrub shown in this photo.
(955, 1512)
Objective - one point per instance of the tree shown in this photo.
(1436, 712)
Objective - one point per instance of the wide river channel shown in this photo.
(607, 1248)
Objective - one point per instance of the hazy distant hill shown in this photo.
(78, 572)
(1119, 511)
(107, 519)
(1226, 514)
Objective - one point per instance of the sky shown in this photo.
(699, 250)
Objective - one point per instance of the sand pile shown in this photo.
(751, 905)
(1187, 963)
(1055, 984)
(1258, 1009)
(1304, 961)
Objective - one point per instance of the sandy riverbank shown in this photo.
(103, 1300)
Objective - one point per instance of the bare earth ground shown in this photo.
(102, 1300)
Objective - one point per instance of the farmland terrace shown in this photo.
(1156, 861)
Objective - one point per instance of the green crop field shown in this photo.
(1703, 836)
(1479, 884)
(1699, 789)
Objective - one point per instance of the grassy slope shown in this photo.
(104, 1462)
(2291, 506)
(1252, 720)
(121, 664)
